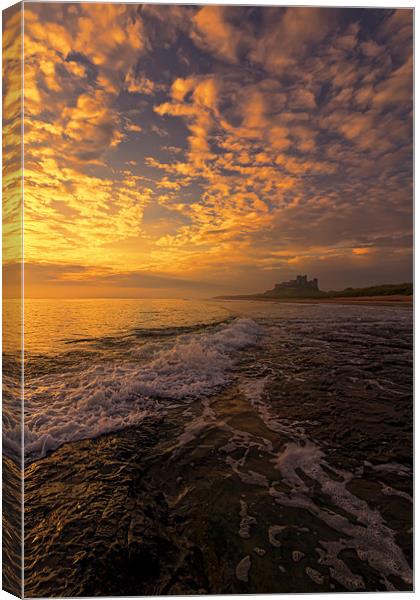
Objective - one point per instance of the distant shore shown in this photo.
(370, 300)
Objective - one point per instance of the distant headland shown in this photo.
(302, 288)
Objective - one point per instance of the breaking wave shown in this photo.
(110, 396)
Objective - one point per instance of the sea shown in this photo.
(273, 439)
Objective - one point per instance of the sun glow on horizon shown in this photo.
(213, 149)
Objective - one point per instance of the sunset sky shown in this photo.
(191, 151)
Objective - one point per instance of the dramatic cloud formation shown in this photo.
(11, 140)
(180, 147)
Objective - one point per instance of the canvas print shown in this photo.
(207, 313)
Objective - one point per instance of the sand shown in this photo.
(358, 300)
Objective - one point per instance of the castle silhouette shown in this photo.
(301, 283)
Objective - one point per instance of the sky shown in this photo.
(193, 151)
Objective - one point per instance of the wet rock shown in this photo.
(273, 531)
(314, 575)
(242, 569)
(297, 555)
(246, 521)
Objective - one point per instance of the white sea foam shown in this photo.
(113, 395)
(301, 462)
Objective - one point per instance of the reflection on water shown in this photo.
(269, 451)
(12, 471)
(250, 447)
(52, 325)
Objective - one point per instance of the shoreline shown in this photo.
(306, 450)
(406, 301)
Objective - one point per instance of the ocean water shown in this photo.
(96, 366)
(299, 417)
(112, 363)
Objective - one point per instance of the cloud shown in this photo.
(77, 68)
(38, 275)
(206, 143)
(212, 30)
(199, 110)
(302, 99)
(289, 35)
(139, 84)
(397, 89)
(12, 136)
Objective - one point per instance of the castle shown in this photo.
(300, 283)
(300, 287)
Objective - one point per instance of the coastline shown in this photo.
(309, 444)
(406, 301)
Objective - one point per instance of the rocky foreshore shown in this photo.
(296, 478)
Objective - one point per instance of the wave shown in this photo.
(143, 333)
(177, 330)
(110, 396)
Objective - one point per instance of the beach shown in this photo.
(161, 438)
(386, 300)
(266, 451)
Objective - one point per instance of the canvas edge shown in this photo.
(12, 242)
